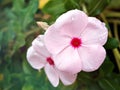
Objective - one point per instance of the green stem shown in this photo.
(114, 21)
(84, 8)
(117, 57)
(95, 7)
(116, 32)
(109, 13)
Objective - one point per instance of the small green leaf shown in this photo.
(112, 43)
(54, 8)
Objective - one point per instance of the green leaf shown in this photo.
(114, 78)
(72, 4)
(23, 14)
(18, 5)
(27, 68)
(19, 41)
(106, 85)
(28, 87)
(28, 13)
(20, 17)
(87, 81)
(107, 67)
(54, 8)
(112, 43)
(1, 35)
(96, 7)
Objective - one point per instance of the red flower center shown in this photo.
(50, 61)
(76, 42)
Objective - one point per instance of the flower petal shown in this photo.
(67, 78)
(68, 60)
(55, 41)
(92, 57)
(67, 26)
(38, 45)
(52, 75)
(72, 22)
(95, 32)
(36, 61)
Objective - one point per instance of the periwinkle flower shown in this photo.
(76, 42)
(39, 57)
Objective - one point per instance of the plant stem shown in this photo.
(110, 13)
(116, 32)
(117, 57)
(84, 8)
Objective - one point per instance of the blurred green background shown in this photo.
(18, 28)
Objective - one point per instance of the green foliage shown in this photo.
(98, 6)
(12, 37)
(112, 43)
(114, 4)
(107, 67)
(72, 4)
(105, 84)
(18, 19)
(110, 83)
(57, 7)
(18, 29)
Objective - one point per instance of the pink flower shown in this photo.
(39, 57)
(76, 41)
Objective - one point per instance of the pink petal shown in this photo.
(38, 45)
(67, 26)
(72, 22)
(67, 78)
(92, 57)
(36, 60)
(55, 41)
(52, 75)
(95, 32)
(68, 60)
